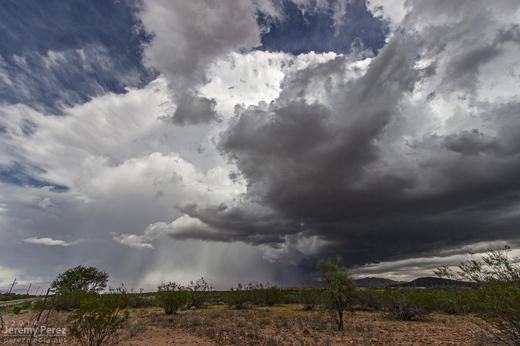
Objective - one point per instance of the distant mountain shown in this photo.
(376, 282)
(433, 281)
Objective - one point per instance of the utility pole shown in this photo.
(37, 291)
(12, 285)
(28, 289)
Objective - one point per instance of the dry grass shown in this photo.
(288, 325)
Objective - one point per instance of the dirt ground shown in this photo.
(279, 325)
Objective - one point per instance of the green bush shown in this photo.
(5, 297)
(17, 309)
(137, 301)
(199, 292)
(67, 301)
(370, 299)
(454, 300)
(171, 297)
(408, 303)
(272, 294)
(239, 296)
(340, 292)
(98, 317)
(265, 295)
(311, 297)
(89, 280)
(497, 296)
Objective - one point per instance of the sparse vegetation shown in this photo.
(239, 296)
(199, 292)
(258, 317)
(407, 303)
(310, 297)
(135, 328)
(171, 297)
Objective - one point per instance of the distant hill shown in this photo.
(376, 282)
(433, 281)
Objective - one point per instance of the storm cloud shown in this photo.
(365, 158)
(209, 145)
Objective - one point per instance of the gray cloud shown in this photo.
(328, 153)
(187, 38)
(470, 143)
(398, 160)
(194, 110)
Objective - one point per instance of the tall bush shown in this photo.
(98, 317)
(81, 278)
(498, 291)
(340, 290)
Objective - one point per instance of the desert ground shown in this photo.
(278, 325)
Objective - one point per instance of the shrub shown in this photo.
(239, 296)
(272, 294)
(17, 309)
(370, 299)
(265, 295)
(136, 328)
(340, 290)
(136, 301)
(68, 301)
(454, 300)
(88, 280)
(311, 297)
(171, 297)
(199, 292)
(497, 297)
(98, 317)
(407, 303)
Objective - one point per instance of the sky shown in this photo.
(243, 140)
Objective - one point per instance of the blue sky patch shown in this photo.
(16, 174)
(303, 32)
(61, 53)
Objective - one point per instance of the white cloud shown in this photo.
(423, 266)
(48, 241)
(133, 241)
(188, 36)
(245, 79)
(392, 11)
